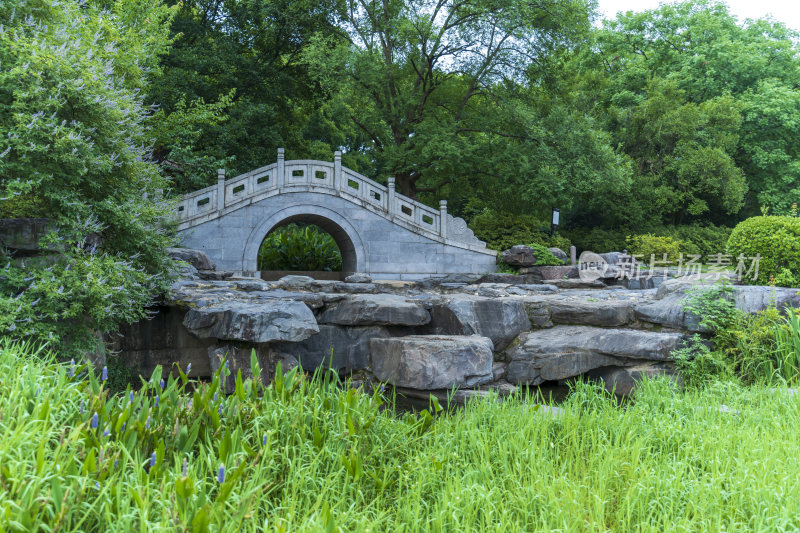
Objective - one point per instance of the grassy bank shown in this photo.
(308, 455)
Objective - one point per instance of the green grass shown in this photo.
(333, 459)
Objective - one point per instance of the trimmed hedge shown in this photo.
(777, 240)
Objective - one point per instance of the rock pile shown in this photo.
(427, 336)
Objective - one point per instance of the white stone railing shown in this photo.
(321, 176)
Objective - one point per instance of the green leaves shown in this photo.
(71, 78)
(295, 247)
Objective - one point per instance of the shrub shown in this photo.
(74, 148)
(699, 365)
(648, 246)
(784, 278)
(543, 256)
(597, 240)
(295, 247)
(776, 239)
(501, 231)
(697, 239)
(787, 347)
(748, 342)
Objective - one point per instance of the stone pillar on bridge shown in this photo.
(443, 218)
(337, 170)
(220, 189)
(280, 172)
(390, 196)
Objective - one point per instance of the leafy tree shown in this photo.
(703, 104)
(74, 150)
(299, 247)
(441, 92)
(234, 87)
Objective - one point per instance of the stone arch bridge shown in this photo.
(378, 231)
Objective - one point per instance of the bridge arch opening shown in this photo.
(307, 242)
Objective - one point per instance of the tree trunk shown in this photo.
(406, 184)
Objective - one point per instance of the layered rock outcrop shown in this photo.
(431, 335)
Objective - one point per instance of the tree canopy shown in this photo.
(75, 150)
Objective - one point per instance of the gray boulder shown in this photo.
(295, 282)
(267, 321)
(567, 351)
(375, 310)
(196, 258)
(358, 277)
(525, 256)
(432, 362)
(667, 309)
(345, 349)
(751, 299)
(499, 319)
(669, 312)
(519, 255)
(623, 380)
(499, 277)
(24, 234)
(559, 253)
(578, 284)
(354, 288)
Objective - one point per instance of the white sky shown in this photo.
(786, 11)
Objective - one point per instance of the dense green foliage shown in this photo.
(309, 455)
(501, 231)
(543, 256)
(660, 251)
(695, 239)
(299, 247)
(777, 240)
(678, 121)
(759, 348)
(73, 149)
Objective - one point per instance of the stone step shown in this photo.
(564, 352)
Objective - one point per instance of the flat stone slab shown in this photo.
(375, 310)
(265, 322)
(426, 362)
(611, 313)
(500, 319)
(563, 352)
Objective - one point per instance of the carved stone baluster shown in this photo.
(337, 170)
(390, 196)
(443, 218)
(220, 189)
(280, 171)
